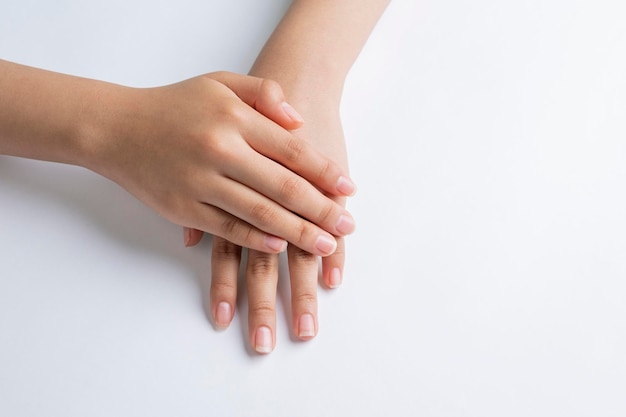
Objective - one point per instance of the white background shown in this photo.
(487, 276)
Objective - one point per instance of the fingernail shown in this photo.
(306, 326)
(187, 235)
(345, 225)
(263, 340)
(345, 186)
(335, 278)
(275, 243)
(292, 113)
(223, 315)
(325, 244)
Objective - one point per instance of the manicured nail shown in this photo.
(335, 278)
(275, 243)
(292, 113)
(187, 235)
(345, 186)
(306, 326)
(263, 342)
(345, 225)
(325, 244)
(223, 315)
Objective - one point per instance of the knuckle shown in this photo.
(291, 188)
(326, 213)
(305, 298)
(234, 229)
(300, 256)
(300, 231)
(270, 89)
(263, 265)
(262, 308)
(249, 240)
(229, 226)
(214, 145)
(233, 111)
(220, 286)
(326, 169)
(237, 233)
(263, 214)
(224, 249)
(294, 150)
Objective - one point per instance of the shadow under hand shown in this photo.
(109, 209)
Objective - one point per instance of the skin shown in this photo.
(197, 152)
(310, 54)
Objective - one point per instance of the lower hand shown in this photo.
(325, 133)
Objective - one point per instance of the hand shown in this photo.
(203, 158)
(325, 132)
(310, 53)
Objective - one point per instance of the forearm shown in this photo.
(312, 49)
(46, 115)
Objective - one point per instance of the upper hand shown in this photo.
(201, 155)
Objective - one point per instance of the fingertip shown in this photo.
(346, 186)
(306, 327)
(291, 113)
(275, 244)
(223, 315)
(333, 266)
(192, 236)
(326, 245)
(345, 224)
(334, 278)
(263, 340)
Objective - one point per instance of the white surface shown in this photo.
(487, 275)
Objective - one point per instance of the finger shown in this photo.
(220, 223)
(333, 265)
(225, 260)
(296, 154)
(303, 159)
(192, 236)
(295, 194)
(265, 96)
(272, 218)
(262, 279)
(303, 269)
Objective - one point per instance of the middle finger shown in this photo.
(262, 280)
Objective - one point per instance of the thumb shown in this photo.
(265, 96)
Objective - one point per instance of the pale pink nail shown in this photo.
(335, 278)
(275, 243)
(306, 326)
(345, 186)
(263, 342)
(292, 113)
(223, 314)
(345, 224)
(325, 244)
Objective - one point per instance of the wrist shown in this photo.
(307, 86)
(102, 125)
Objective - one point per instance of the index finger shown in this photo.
(299, 156)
